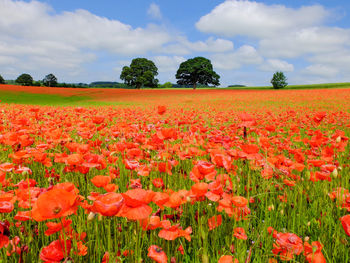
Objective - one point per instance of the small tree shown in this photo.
(2, 81)
(50, 80)
(141, 73)
(197, 70)
(279, 80)
(25, 80)
(166, 85)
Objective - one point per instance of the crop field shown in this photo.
(92, 175)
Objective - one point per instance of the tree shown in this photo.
(25, 80)
(2, 81)
(50, 80)
(279, 80)
(140, 73)
(197, 70)
(166, 85)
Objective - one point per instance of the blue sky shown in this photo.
(247, 41)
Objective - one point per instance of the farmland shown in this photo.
(92, 175)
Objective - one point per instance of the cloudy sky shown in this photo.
(84, 41)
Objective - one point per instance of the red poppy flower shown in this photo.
(161, 109)
(214, 222)
(56, 251)
(239, 233)
(54, 204)
(108, 204)
(345, 221)
(100, 180)
(157, 254)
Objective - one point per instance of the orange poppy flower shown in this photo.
(239, 201)
(108, 204)
(157, 254)
(161, 109)
(54, 204)
(56, 251)
(199, 189)
(100, 180)
(313, 252)
(214, 222)
(239, 233)
(227, 259)
(345, 221)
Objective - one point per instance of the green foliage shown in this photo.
(25, 80)
(50, 80)
(2, 81)
(166, 85)
(279, 80)
(141, 73)
(197, 70)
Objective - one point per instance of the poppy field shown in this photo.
(178, 176)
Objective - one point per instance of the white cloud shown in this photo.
(312, 40)
(168, 63)
(35, 39)
(245, 55)
(320, 70)
(248, 18)
(276, 65)
(154, 11)
(183, 46)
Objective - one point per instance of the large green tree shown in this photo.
(279, 80)
(141, 72)
(2, 81)
(50, 80)
(25, 80)
(197, 70)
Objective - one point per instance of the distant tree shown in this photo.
(141, 73)
(166, 85)
(279, 80)
(197, 70)
(25, 80)
(2, 81)
(50, 80)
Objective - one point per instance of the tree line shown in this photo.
(142, 72)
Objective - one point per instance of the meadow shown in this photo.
(91, 175)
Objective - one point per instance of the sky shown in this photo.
(246, 41)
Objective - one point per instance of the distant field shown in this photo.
(239, 98)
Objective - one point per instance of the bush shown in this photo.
(279, 80)
(2, 81)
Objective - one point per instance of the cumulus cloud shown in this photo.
(280, 33)
(168, 63)
(32, 34)
(254, 19)
(321, 70)
(245, 55)
(154, 11)
(183, 46)
(276, 65)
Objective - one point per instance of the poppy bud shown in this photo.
(205, 258)
(91, 216)
(335, 173)
(338, 139)
(282, 211)
(306, 239)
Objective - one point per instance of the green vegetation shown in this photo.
(141, 73)
(197, 70)
(279, 80)
(41, 99)
(25, 80)
(50, 80)
(2, 81)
